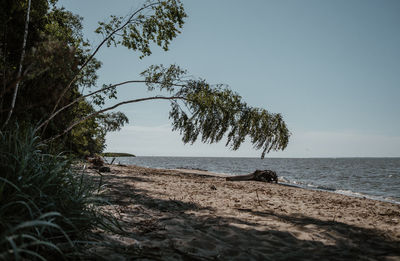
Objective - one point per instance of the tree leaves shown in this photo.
(155, 22)
(213, 112)
(199, 110)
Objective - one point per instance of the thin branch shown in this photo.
(110, 108)
(20, 64)
(95, 52)
(4, 64)
(93, 93)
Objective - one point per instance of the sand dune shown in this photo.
(176, 215)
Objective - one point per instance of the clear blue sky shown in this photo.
(332, 68)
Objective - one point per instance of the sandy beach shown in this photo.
(184, 215)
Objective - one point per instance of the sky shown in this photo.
(331, 68)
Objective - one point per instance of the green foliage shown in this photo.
(112, 121)
(44, 204)
(212, 112)
(59, 63)
(88, 138)
(56, 50)
(139, 30)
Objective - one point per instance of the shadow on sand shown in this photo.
(170, 229)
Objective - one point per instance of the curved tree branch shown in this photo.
(93, 93)
(113, 107)
(93, 54)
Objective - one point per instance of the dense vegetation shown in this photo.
(54, 53)
(50, 102)
(45, 205)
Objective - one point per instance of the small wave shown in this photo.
(283, 180)
(312, 186)
(339, 191)
(326, 188)
(350, 193)
(361, 195)
(191, 168)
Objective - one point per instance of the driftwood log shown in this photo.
(258, 175)
(97, 162)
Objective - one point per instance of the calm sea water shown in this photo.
(377, 178)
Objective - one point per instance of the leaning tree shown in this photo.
(199, 110)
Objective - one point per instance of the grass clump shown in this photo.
(45, 206)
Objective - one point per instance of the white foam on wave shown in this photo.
(283, 179)
(350, 193)
(361, 195)
(339, 191)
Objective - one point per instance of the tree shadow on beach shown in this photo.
(111, 177)
(240, 239)
(350, 240)
(173, 229)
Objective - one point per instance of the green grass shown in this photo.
(46, 206)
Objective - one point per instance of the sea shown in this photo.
(375, 178)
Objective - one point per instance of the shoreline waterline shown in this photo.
(281, 180)
(378, 178)
(286, 183)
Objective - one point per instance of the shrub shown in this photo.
(44, 203)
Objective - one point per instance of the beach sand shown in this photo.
(184, 215)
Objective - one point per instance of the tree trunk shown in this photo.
(258, 175)
(20, 64)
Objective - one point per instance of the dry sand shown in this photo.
(176, 215)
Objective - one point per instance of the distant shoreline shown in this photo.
(117, 154)
(266, 158)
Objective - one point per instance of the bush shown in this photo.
(44, 204)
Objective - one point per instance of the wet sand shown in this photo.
(185, 215)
